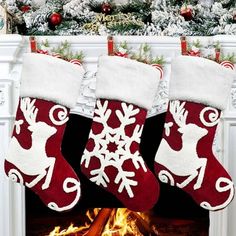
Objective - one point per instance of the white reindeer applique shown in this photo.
(186, 161)
(33, 161)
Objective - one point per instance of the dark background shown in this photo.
(173, 202)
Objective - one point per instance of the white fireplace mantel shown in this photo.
(12, 48)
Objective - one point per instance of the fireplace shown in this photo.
(18, 205)
(115, 222)
(100, 213)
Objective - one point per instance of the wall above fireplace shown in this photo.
(12, 47)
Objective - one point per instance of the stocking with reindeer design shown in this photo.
(199, 89)
(34, 157)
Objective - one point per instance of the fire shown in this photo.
(121, 222)
(71, 229)
(76, 231)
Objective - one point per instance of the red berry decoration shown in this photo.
(55, 19)
(187, 12)
(25, 8)
(106, 8)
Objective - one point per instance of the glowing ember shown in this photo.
(122, 222)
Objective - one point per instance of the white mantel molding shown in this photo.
(9, 49)
(12, 47)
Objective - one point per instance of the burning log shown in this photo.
(142, 225)
(99, 222)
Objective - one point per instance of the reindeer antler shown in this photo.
(29, 110)
(178, 112)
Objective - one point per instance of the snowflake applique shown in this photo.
(112, 147)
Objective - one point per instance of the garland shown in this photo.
(133, 17)
(63, 51)
(142, 54)
(209, 50)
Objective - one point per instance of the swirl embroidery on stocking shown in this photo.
(69, 185)
(112, 148)
(227, 186)
(213, 117)
(186, 161)
(62, 115)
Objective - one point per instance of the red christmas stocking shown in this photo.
(49, 87)
(125, 91)
(198, 92)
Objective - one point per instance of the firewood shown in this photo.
(99, 222)
(142, 225)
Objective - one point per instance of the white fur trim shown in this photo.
(50, 78)
(200, 80)
(127, 80)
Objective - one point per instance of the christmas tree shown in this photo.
(123, 17)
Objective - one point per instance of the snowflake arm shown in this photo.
(129, 111)
(102, 112)
(100, 177)
(138, 161)
(125, 182)
(96, 153)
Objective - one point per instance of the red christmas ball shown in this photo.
(25, 8)
(187, 12)
(55, 19)
(106, 8)
(234, 16)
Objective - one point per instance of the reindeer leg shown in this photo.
(203, 162)
(188, 180)
(36, 180)
(51, 161)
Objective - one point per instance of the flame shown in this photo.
(121, 222)
(69, 230)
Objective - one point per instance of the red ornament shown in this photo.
(121, 54)
(25, 8)
(40, 51)
(194, 53)
(234, 16)
(55, 19)
(106, 8)
(187, 12)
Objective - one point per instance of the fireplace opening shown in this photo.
(115, 222)
(175, 213)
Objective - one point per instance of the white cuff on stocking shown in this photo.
(127, 80)
(49, 78)
(200, 80)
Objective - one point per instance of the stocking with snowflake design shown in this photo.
(199, 89)
(125, 91)
(34, 157)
